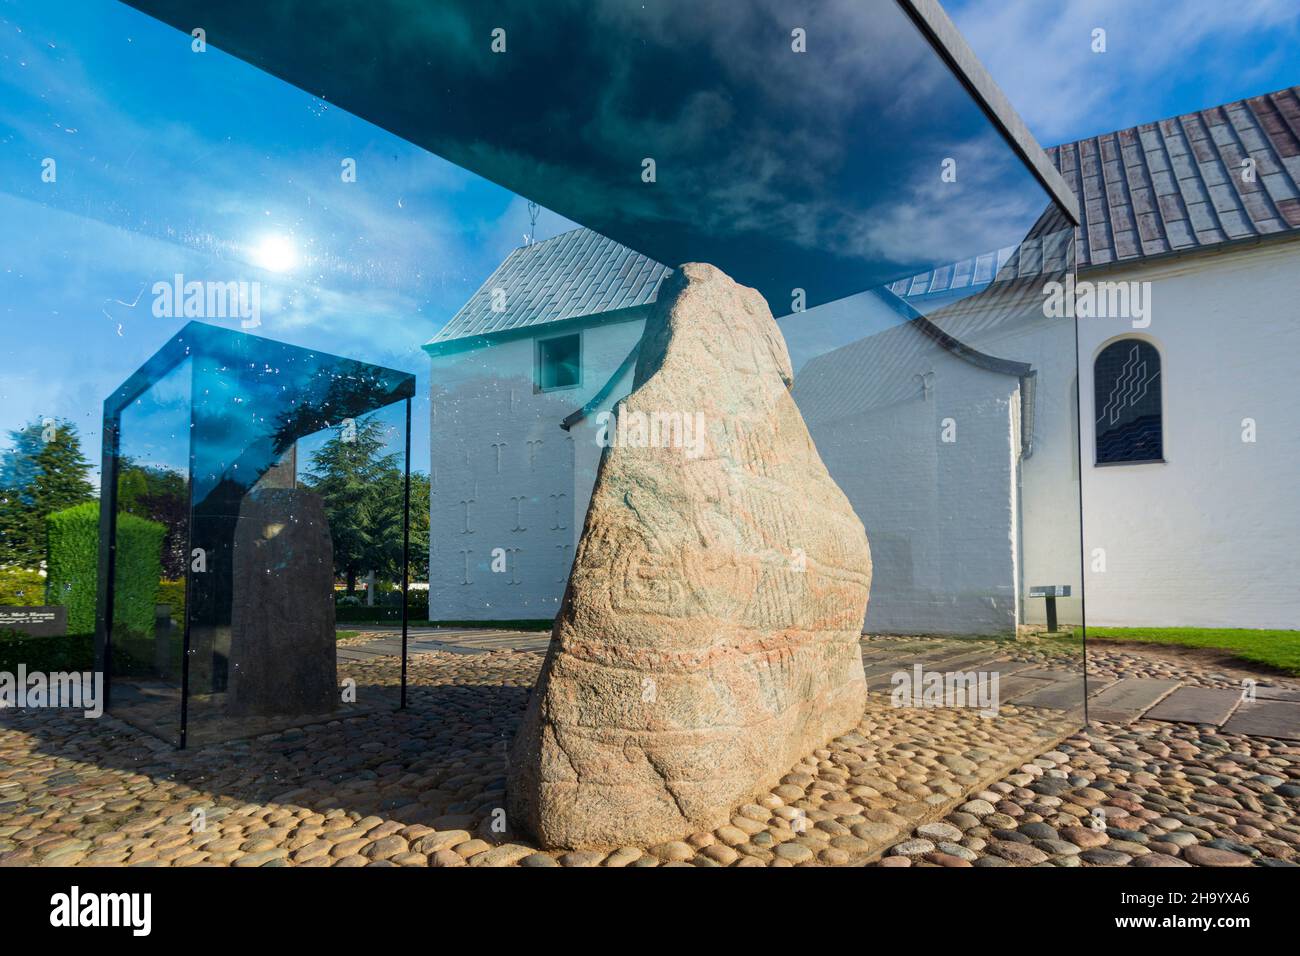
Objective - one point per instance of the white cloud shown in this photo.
(1040, 54)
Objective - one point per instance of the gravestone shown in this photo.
(708, 638)
(282, 641)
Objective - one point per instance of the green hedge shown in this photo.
(73, 652)
(20, 587)
(388, 607)
(173, 593)
(72, 565)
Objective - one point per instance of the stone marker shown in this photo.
(50, 620)
(282, 641)
(708, 638)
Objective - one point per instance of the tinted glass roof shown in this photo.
(857, 161)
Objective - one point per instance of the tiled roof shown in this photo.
(1178, 184)
(577, 273)
(1172, 186)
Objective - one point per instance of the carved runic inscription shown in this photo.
(513, 565)
(518, 500)
(532, 453)
(466, 552)
(466, 502)
(682, 582)
(559, 524)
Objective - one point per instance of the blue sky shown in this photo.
(1163, 57)
(172, 162)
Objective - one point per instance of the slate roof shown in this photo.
(1176, 184)
(577, 273)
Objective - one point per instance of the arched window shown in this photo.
(1126, 388)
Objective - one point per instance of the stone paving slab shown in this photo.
(884, 683)
(1066, 693)
(1017, 684)
(1042, 673)
(356, 654)
(430, 640)
(954, 657)
(500, 639)
(1125, 701)
(877, 670)
(1277, 693)
(1005, 669)
(433, 647)
(386, 645)
(1266, 718)
(1196, 705)
(881, 681)
(910, 654)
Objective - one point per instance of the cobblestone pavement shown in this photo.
(923, 787)
(1149, 794)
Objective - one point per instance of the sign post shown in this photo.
(47, 621)
(1051, 592)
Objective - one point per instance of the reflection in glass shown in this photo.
(209, 435)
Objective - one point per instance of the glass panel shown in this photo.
(297, 268)
(294, 477)
(150, 563)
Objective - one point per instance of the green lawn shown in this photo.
(1280, 649)
(344, 635)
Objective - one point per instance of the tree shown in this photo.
(419, 526)
(44, 471)
(159, 494)
(360, 487)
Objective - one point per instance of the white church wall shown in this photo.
(1049, 490)
(940, 514)
(509, 487)
(1208, 537)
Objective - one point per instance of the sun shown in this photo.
(275, 253)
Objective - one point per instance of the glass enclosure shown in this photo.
(905, 245)
(234, 442)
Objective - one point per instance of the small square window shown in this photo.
(559, 362)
